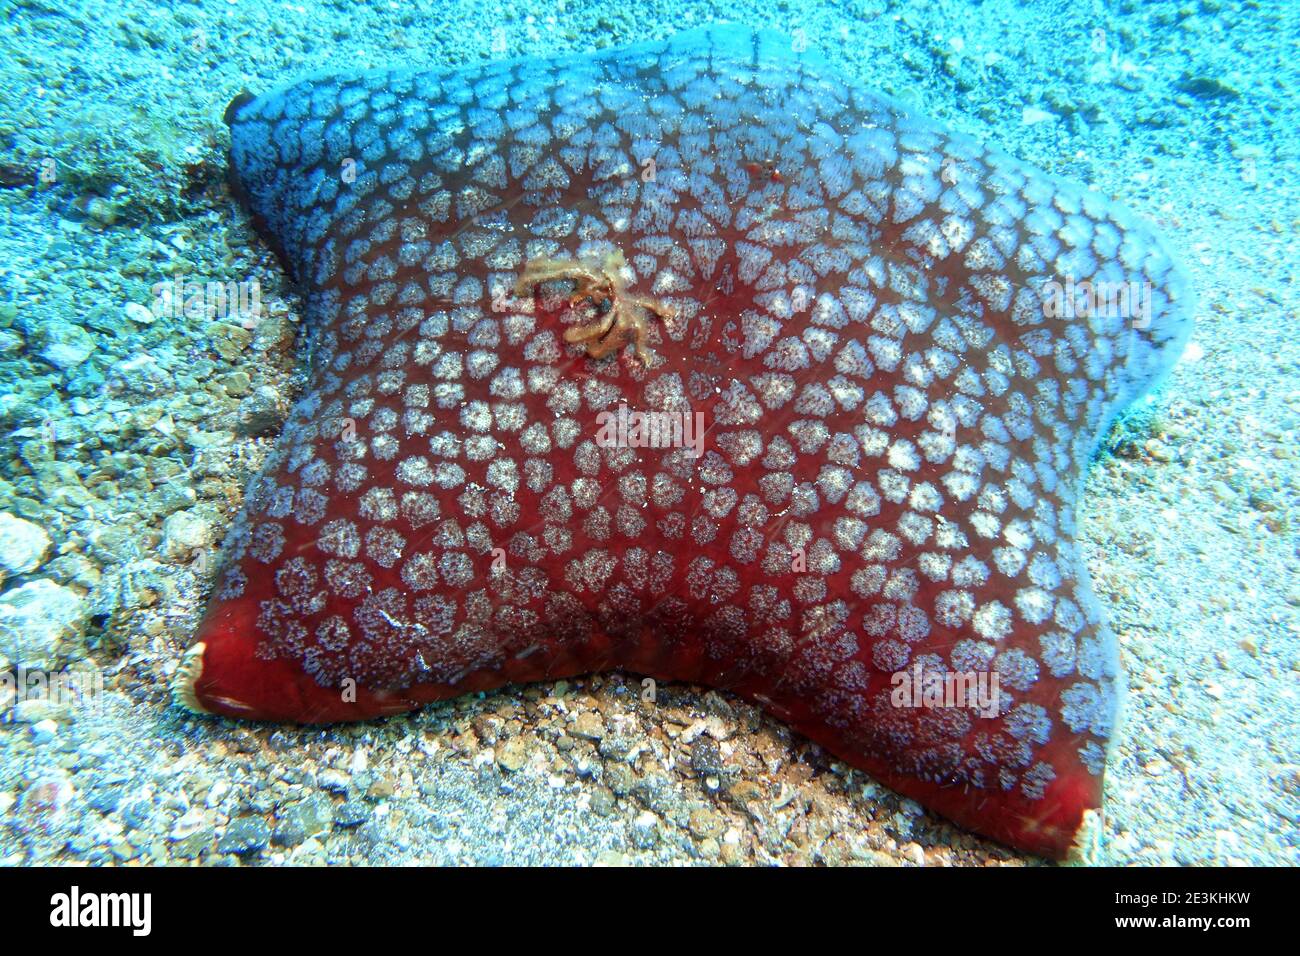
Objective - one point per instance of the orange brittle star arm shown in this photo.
(625, 319)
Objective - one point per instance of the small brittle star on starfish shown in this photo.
(626, 316)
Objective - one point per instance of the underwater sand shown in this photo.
(129, 443)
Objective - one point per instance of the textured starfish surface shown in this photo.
(852, 301)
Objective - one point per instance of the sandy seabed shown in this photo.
(129, 440)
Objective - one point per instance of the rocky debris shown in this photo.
(300, 821)
(1208, 87)
(333, 780)
(229, 340)
(132, 420)
(351, 813)
(41, 623)
(644, 830)
(588, 726)
(64, 345)
(183, 533)
(237, 384)
(245, 836)
(192, 835)
(706, 757)
(512, 755)
(23, 546)
(261, 413)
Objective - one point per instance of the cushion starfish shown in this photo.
(901, 344)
